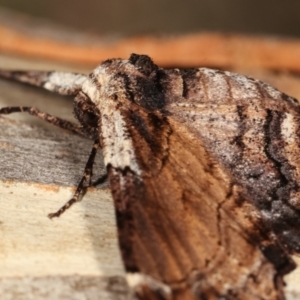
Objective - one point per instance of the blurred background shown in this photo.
(227, 34)
(129, 17)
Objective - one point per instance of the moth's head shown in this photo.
(124, 81)
(87, 113)
(118, 82)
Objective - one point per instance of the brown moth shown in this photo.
(203, 167)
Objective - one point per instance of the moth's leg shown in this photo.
(82, 187)
(63, 83)
(44, 116)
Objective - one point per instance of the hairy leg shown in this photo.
(63, 83)
(64, 124)
(84, 183)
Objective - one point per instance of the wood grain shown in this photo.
(73, 257)
(78, 249)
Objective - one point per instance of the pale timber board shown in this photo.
(38, 168)
(75, 256)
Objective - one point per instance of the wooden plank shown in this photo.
(75, 256)
(37, 169)
(40, 258)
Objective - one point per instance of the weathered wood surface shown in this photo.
(75, 256)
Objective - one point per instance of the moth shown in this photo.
(204, 172)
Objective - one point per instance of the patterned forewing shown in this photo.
(252, 130)
(177, 224)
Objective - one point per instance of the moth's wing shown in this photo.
(252, 130)
(63, 83)
(184, 230)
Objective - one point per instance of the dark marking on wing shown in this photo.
(190, 81)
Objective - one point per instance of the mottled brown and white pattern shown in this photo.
(204, 172)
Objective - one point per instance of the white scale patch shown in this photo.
(246, 87)
(135, 280)
(272, 92)
(217, 85)
(117, 149)
(64, 83)
(288, 128)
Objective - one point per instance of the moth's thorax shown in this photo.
(108, 91)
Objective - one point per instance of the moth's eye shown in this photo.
(86, 111)
(90, 118)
